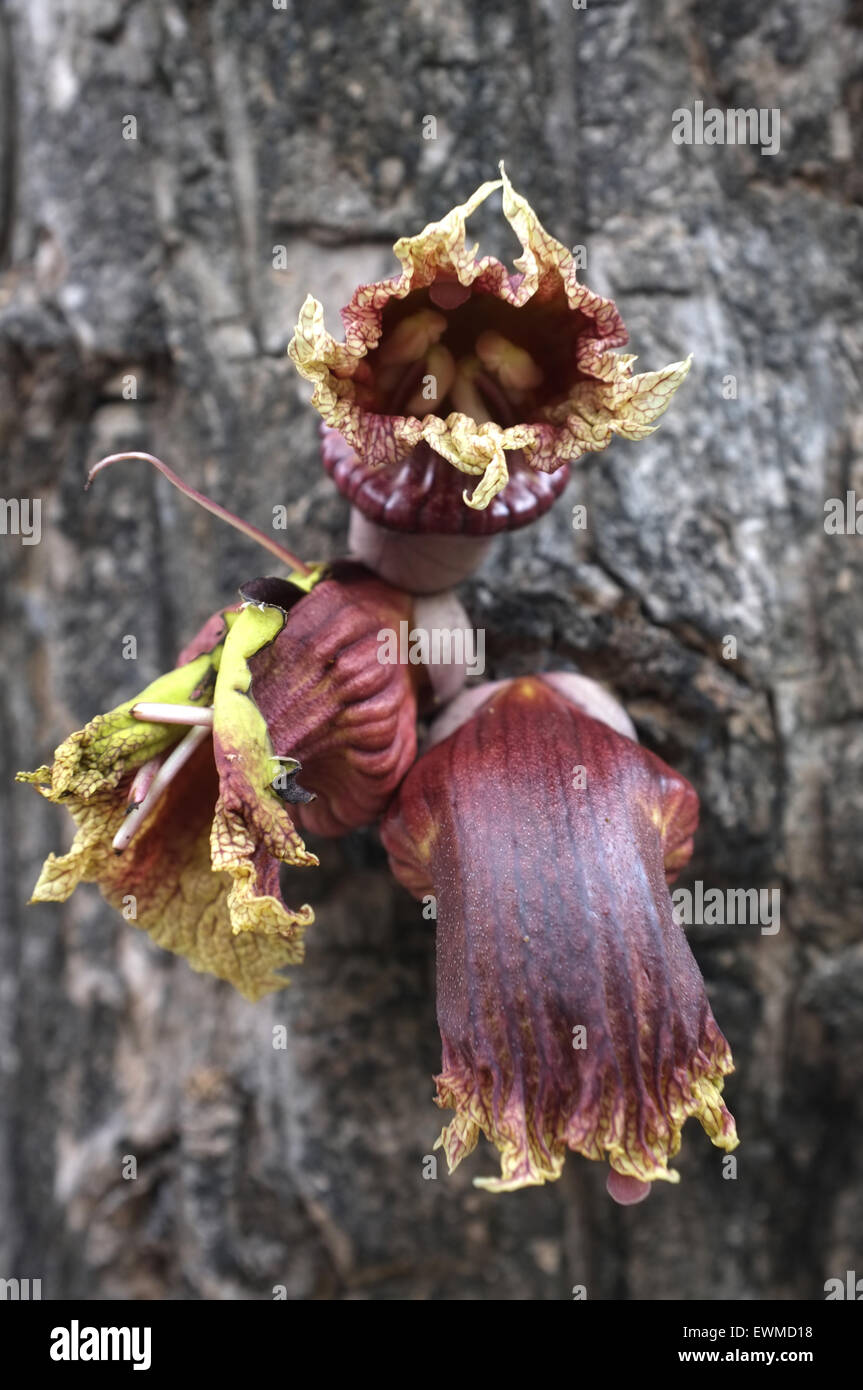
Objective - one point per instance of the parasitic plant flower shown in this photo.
(459, 364)
(572, 1012)
(186, 798)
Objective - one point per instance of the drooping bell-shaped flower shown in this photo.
(189, 797)
(572, 1012)
(460, 364)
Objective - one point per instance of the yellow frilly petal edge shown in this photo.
(529, 1158)
(219, 910)
(616, 403)
(251, 826)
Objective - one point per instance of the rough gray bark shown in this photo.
(259, 127)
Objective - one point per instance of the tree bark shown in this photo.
(141, 306)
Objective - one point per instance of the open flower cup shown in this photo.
(460, 364)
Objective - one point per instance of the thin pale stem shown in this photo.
(155, 713)
(159, 785)
(245, 527)
(144, 778)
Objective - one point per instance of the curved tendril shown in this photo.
(245, 527)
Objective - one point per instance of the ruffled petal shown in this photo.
(331, 703)
(164, 882)
(97, 758)
(590, 392)
(252, 829)
(185, 831)
(231, 924)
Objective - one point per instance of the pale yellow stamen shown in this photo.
(436, 383)
(143, 781)
(513, 366)
(154, 713)
(411, 339)
(166, 774)
(464, 392)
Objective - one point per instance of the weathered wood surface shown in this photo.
(258, 127)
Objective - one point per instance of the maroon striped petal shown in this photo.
(330, 702)
(572, 1012)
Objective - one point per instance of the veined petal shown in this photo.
(252, 828)
(587, 421)
(164, 882)
(97, 758)
(330, 702)
(571, 1009)
(529, 363)
(185, 831)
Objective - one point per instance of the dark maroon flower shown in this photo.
(572, 1012)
